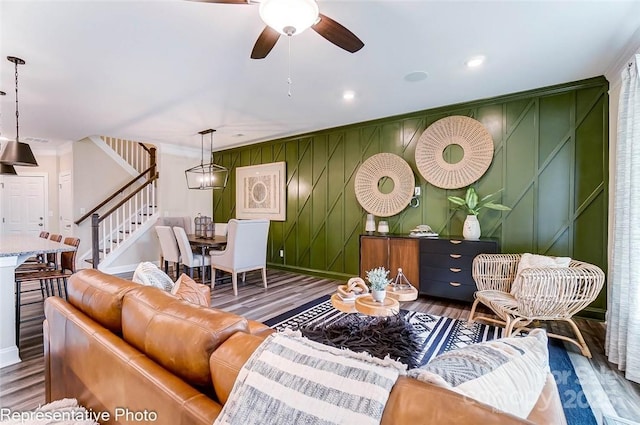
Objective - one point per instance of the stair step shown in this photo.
(125, 231)
(106, 251)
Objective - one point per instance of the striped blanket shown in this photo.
(290, 380)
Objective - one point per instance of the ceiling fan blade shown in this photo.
(265, 42)
(223, 1)
(337, 34)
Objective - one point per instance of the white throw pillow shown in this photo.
(529, 261)
(150, 275)
(506, 373)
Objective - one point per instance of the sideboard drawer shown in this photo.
(456, 246)
(451, 290)
(446, 261)
(451, 274)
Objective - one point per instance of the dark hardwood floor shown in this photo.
(22, 385)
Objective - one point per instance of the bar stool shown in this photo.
(46, 278)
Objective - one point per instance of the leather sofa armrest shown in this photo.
(225, 363)
(258, 328)
(414, 402)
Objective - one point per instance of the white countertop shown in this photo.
(12, 245)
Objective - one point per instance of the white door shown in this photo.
(65, 204)
(24, 205)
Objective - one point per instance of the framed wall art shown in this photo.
(261, 191)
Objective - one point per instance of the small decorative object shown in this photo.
(354, 288)
(472, 206)
(378, 280)
(202, 222)
(460, 132)
(370, 225)
(401, 282)
(372, 175)
(383, 227)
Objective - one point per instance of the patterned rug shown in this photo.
(435, 335)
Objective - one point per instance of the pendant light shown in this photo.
(6, 169)
(16, 152)
(207, 176)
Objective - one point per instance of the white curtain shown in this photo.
(623, 324)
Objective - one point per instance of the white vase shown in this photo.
(370, 225)
(383, 227)
(471, 228)
(379, 296)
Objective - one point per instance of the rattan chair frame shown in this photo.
(545, 294)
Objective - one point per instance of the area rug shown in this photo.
(432, 335)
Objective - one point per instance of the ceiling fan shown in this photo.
(290, 17)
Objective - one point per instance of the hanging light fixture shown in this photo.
(6, 169)
(207, 176)
(16, 152)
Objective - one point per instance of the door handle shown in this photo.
(40, 224)
(455, 284)
(455, 270)
(455, 255)
(455, 241)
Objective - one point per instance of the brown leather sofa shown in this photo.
(140, 355)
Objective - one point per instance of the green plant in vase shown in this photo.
(378, 279)
(472, 204)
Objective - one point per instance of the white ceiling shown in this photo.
(160, 71)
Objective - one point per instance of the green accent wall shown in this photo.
(550, 159)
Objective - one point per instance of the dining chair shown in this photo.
(188, 258)
(246, 250)
(169, 248)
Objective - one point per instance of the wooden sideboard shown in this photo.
(439, 267)
(391, 252)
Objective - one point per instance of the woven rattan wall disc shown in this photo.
(466, 132)
(366, 184)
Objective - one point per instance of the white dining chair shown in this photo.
(246, 250)
(169, 247)
(189, 259)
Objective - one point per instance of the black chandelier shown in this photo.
(207, 176)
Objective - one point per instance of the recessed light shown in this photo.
(475, 61)
(414, 76)
(348, 95)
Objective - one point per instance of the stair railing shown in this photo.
(136, 154)
(130, 207)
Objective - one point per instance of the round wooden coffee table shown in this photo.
(366, 305)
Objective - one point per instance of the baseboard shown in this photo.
(311, 272)
(593, 313)
(9, 356)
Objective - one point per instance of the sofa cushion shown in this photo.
(150, 275)
(176, 334)
(506, 373)
(99, 296)
(528, 261)
(187, 289)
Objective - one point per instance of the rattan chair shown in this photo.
(545, 294)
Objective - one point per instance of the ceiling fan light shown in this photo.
(289, 17)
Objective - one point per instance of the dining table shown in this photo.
(205, 244)
(14, 250)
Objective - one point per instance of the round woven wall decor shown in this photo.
(366, 184)
(466, 132)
